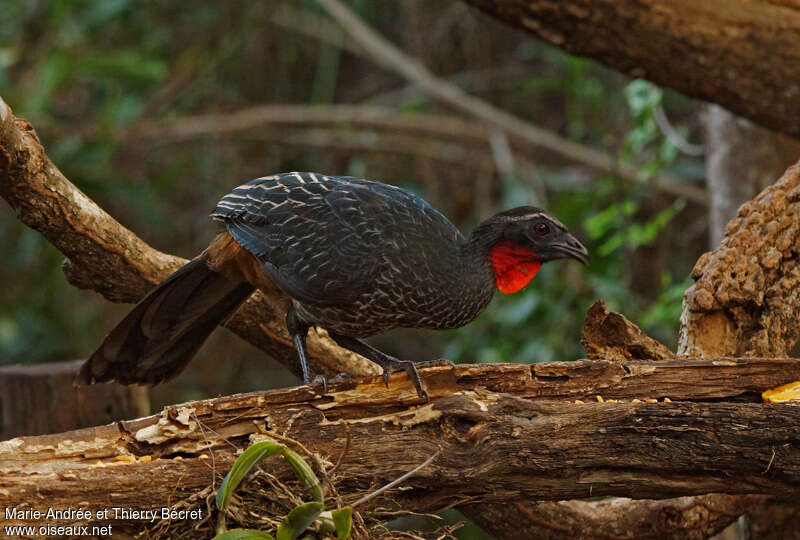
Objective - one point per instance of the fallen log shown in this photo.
(504, 431)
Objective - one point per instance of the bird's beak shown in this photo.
(570, 248)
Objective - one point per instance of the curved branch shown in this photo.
(435, 136)
(104, 256)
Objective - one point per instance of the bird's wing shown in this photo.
(318, 237)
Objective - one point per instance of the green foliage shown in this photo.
(644, 145)
(339, 521)
(298, 520)
(243, 464)
(304, 473)
(666, 309)
(343, 522)
(616, 227)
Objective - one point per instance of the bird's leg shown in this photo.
(387, 363)
(298, 329)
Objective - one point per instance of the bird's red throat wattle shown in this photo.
(514, 266)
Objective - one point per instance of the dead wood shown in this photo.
(682, 518)
(495, 446)
(611, 336)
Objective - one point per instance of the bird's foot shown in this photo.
(391, 364)
(318, 383)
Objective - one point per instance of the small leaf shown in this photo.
(244, 534)
(343, 520)
(305, 473)
(298, 520)
(249, 458)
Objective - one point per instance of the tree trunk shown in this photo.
(683, 518)
(743, 159)
(713, 50)
(41, 399)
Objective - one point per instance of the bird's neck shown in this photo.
(514, 266)
(508, 266)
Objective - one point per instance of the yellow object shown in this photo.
(781, 394)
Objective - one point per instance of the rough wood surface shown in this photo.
(41, 398)
(746, 294)
(712, 50)
(682, 518)
(611, 336)
(104, 256)
(499, 426)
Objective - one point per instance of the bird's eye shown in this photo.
(541, 229)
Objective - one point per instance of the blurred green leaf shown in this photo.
(298, 520)
(343, 520)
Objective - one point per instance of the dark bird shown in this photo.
(356, 258)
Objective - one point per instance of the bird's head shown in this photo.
(520, 240)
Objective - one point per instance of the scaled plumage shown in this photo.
(356, 257)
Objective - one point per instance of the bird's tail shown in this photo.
(156, 340)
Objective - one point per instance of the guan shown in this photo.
(356, 258)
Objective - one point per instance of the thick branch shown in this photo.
(104, 256)
(495, 446)
(711, 50)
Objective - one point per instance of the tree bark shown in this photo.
(501, 435)
(713, 50)
(610, 335)
(683, 518)
(40, 399)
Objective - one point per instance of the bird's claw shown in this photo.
(340, 377)
(316, 382)
(395, 364)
